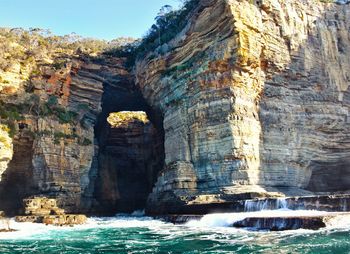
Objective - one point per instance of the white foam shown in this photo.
(29, 230)
(211, 223)
(25, 230)
(122, 222)
(227, 219)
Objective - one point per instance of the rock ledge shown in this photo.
(45, 210)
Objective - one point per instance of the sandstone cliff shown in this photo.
(50, 99)
(56, 95)
(255, 102)
(248, 99)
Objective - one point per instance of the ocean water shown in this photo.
(129, 234)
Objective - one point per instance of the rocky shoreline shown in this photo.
(270, 222)
(312, 212)
(331, 207)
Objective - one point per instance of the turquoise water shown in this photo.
(123, 234)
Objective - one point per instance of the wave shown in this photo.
(211, 223)
(29, 230)
(227, 219)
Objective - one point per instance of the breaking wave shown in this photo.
(139, 234)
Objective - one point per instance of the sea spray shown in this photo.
(126, 234)
(228, 219)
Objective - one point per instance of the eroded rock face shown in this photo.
(50, 103)
(6, 148)
(130, 157)
(55, 101)
(254, 98)
(41, 206)
(45, 210)
(53, 146)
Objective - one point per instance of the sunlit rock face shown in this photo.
(6, 148)
(45, 210)
(254, 98)
(54, 103)
(50, 99)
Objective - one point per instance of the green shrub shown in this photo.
(65, 116)
(59, 64)
(36, 72)
(10, 128)
(83, 107)
(13, 129)
(167, 26)
(52, 108)
(11, 112)
(44, 133)
(84, 142)
(52, 101)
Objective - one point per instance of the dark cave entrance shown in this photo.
(130, 152)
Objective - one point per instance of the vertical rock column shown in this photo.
(208, 90)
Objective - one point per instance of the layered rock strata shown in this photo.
(45, 210)
(254, 99)
(249, 100)
(50, 99)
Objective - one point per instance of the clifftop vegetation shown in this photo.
(169, 23)
(26, 46)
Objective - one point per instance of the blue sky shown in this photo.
(103, 19)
